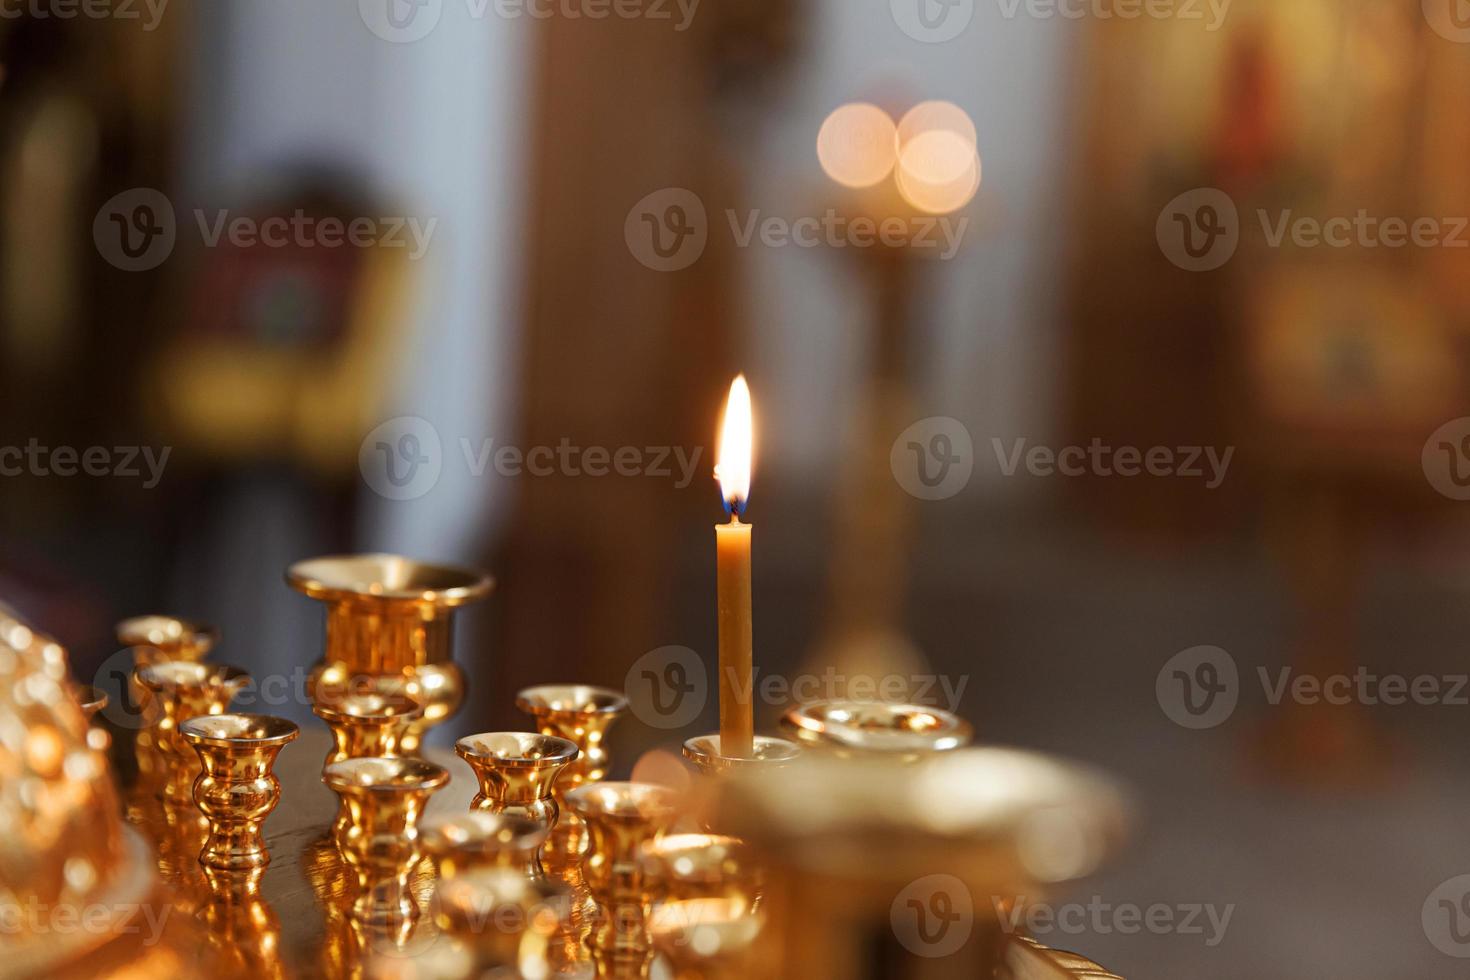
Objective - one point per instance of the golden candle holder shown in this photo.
(914, 862)
(392, 616)
(182, 690)
(582, 715)
(621, 818)
(703, 752)
(92, 700)
(498, 923)
(516, 771)
(157, 639)
(908, 732)
(707, 911)
(237, 789)
(478, 840)
(377, 831)
(371, 721)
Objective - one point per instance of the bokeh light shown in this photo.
(856, 145)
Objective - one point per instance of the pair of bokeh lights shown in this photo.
(931, 153)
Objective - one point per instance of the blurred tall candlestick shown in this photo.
(732, 541)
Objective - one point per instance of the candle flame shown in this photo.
(737, 437)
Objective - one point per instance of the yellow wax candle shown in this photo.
(737, 720)
(732, 546)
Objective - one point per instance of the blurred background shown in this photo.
(1141, 371)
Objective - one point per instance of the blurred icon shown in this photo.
(122, 708)
(1446, 459)
(1449, 18)
(667, 688)
(933, 459)
(401, 21)
(1199, 688)
(402, 458)
(135, 230)
(933, 916)
(1446, 917)
(1199, 230)
(667, 230)
(933, 21)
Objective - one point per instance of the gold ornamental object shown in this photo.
(155, 639)
(65, 846)
(582, 715)
(91, 700)
(393, 617)
(516, 771)
(905, 731)
(707, 912)
(622, 818)
(368, 719)
(377, 831)
(182, 690)
(237, 789)
(916, 860)
(703, 752)
(478, 840)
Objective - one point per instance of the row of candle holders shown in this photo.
(581, 867)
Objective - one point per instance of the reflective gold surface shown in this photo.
(237, 789)
(908, 731)
(181, 690)
(703, 752)
(377, 832)
(621, 819)
(167, 638)
(392, 616)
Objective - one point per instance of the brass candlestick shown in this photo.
(392, 616)
(621, 818)
(703, 752)
(478, 840)
(499, 925)
(516, 771)
(377, 831)
(582, 715)
(183, 690)
(907, 732)
(158, 639)
(237, 789)
(370, 723)
(706, 902)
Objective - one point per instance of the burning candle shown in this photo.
(732, 543)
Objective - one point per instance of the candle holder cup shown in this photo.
(903, 732)
(706, 912)
(621, 819)
(393, 617)
(582, 715)
(368, 719)
(182, 690)
(377, 831)
(479, 840)
(154, 640)
(516, 772)
(237, 789)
